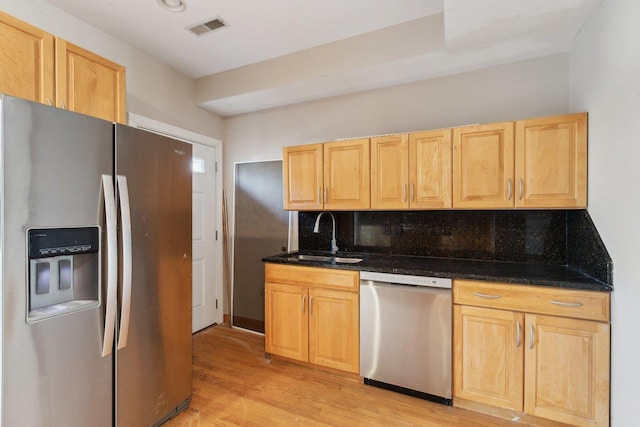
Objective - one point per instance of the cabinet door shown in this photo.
(488, 356)
(551, 162)
(430, 169)
(89, 84)
(346, 175)
(302, 177)
(334, 334)
(483, 166)
(389, 172)
(26, 61)
(567, 370)
(286, 321)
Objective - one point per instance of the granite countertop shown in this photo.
(495, 271)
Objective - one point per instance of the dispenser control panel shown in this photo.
(46, 242)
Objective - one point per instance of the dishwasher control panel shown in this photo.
(405, 279)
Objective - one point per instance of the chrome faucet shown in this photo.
(334, 245)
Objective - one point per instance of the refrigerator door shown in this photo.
(153, 366)
(53, 372)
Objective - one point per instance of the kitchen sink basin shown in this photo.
(327, 258)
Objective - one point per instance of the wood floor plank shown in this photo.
(234, 384)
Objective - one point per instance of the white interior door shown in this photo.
(207, 220)
(205, 304)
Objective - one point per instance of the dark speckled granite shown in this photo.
(519, 236)
(497, 271)
(585, 250)
(551, 247)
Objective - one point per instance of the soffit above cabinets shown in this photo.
(281, 52)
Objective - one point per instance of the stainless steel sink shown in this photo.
(332, 259)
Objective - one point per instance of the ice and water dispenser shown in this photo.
(64, 270)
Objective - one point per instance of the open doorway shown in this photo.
(261, 229)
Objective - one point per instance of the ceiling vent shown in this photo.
(207, 27)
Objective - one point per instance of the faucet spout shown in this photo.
(334, 245)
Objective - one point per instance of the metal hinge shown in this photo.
(216, 163)
(216, 234)
(216, 303)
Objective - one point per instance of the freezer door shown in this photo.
(153, 378)
(53, 373)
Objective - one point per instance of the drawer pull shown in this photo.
(518, 335)
(304, 300)
(567, 304)
(509, 189)
(404, 193)
(489, 296)
(311, 306)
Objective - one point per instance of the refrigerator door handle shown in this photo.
(125, 215)
(112, 263)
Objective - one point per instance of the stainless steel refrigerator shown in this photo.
(95, 260)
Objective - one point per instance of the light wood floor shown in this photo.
(235, 385)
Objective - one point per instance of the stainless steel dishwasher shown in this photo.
(405, 334)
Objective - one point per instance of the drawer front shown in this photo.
(313, 276)
(533, 299)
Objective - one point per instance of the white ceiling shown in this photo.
(279, 52)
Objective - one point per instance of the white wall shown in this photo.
(520, 90)
(605, 81)
(154, 90)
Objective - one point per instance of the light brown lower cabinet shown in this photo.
(312, 315)
(540, 364)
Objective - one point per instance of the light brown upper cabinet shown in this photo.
(26, 61)
(536, 163)
(329, 176)
(411, 171)
(430, 169)
(347, 175)
(483, 166)
(390, 172)
(89, 84)
(40, 67)
(302, 177)
(551, 162)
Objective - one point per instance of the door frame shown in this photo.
(161, 128)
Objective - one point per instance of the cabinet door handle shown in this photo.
(319, 194)
(489, 296)
(567, 304)
(311, 305)
(413, 192)
(521, 188)
(325, 194)
(531, 335)
(518, 335)
(404, 193)
(304, 300)
(63, 106)
(49, 102)
(509, 189)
